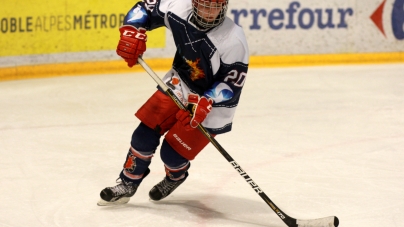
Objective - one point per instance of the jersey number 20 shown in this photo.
(237, 78)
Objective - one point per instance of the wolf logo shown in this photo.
(130, 163)
(196, 72)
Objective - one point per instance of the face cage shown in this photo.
(209, 24)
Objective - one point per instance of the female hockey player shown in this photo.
(208, 72)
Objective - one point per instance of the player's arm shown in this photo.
(231, 61)
(227, 89)
(224, 95)
(141, 17)
(147, 14)
(229, 82)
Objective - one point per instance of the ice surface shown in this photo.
(319, 141)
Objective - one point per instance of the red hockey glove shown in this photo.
(132, 44)
(200, 109)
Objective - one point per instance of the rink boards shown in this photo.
(79, 37)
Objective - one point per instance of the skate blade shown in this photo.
(120, 201)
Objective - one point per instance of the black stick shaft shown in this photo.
(291, 222)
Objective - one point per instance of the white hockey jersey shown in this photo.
(211, 62)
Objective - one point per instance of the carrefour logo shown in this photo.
(397, 18)
(295, 16)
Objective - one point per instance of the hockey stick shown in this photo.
(331, 221)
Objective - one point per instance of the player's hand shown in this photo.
(201, 107)
(132, 43)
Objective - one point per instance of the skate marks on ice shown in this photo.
(324, 141)
(184, 210)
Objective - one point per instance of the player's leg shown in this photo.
(157, 116)
(143, 145)
(179, 146)
(176, 168)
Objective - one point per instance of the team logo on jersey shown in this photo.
(137, 15)
(220, 92)
(196, 72)
(130, 163)
(175, 81)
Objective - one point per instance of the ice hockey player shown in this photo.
(208, 73)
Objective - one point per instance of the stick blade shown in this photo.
(331, 221)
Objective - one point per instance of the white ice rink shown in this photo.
(319, 141)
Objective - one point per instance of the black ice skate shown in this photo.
(165, 188)
(119, 194)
